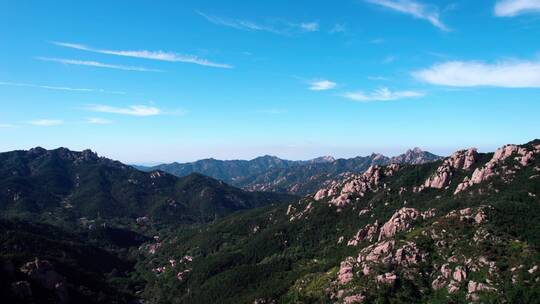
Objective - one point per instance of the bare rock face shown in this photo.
(400, 221)
(474, 287)
(376, 252)
(440, 179)
(341, 192)
(387, 278)
(345, 274)
(523, 156)
(446, 271)
(408, 254)
(294, 214)
(354, 299)
(462, 160)
(367, 233)
(459, 274)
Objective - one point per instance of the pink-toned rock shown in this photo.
(366, 233)
(446, 271)
(428, 213)
(462, 159)
(459, 274)
(453, 287)
(341, 193)
(366, 270)
(408, 254)
(466, 211)
(480, 217)
(387, 278)
(440, 179)
(376, 251)
(473, 287)
(354, 299)
(290, 209)
(180, 276)
(526, 158)
(488, 170)
(400, 221)
(322, 193)
(345, 274)
(438, 283)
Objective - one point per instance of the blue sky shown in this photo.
(160, 81)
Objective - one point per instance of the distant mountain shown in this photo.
(71, 186)
(231, 171)
(269, 173)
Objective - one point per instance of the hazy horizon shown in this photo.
(181, 81)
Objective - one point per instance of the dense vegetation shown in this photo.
(275, 253)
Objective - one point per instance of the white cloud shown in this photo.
(322, 85)
(98, 64)
(338, 28)
(46, 122)
(507, 74)
(511, 8)
(18, 84)
(6, 126)
(279, 27)
(378, 78)
(98, 121)
(382, 94)
(377, 41)
(415, 9)
(135, 110)
(154, 55)
(310, 26)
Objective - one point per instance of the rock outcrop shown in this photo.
(400, 221)
(340, 193)
(459, 160)
(491, 168)
(368, 233)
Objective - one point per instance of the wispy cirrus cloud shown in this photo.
(98, 64)
(46, 122)
(153, 55)
(310, 26)
(381, 94)
(98, 121)
(415, 9)
(277, 27)
(322, 85)
(6, 126)
(134, 110)
(512, 8)
(505, 74)
(58, 88)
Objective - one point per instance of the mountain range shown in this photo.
(79, 228)
(270, 173)
(67, 185)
